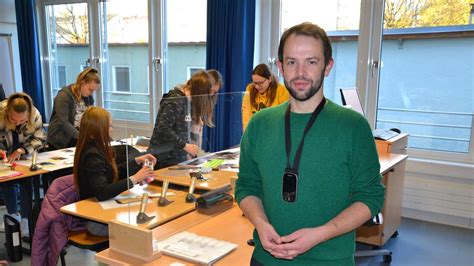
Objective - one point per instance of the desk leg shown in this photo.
(27, 186)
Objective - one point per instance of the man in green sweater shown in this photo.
(309, 170)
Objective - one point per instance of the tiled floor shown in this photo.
(418, 243)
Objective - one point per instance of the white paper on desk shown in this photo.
(45, 157)
(112, 204)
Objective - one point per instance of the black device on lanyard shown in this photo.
(290, 176)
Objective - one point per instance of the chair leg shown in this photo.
(62, 256)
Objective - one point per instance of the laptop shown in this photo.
(350, 98)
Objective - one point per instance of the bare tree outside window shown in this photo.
(425, 13)
(72, 25)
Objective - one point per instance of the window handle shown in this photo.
(157, 63)
(272, 61)
(375, 68)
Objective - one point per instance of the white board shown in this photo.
(7, 78)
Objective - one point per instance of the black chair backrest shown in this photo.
(121, 153)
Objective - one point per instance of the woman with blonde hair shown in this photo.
(263, 92)
(69, 105)
(96, 174)
(21, 132)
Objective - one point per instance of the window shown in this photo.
(425, 88)
(61, 76)
(185, 30)
(121, 78)
(192, 70)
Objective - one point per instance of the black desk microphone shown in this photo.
(34, 166)
(141, 216)
(190, 197)
(163, 201)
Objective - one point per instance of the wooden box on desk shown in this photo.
(132, 241)
(397, 144)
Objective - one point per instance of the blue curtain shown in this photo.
(230, 46)
(29, 52)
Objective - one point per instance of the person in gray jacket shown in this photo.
(69, 105)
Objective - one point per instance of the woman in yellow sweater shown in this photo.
(263, 92)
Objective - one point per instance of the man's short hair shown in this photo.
(311, 30)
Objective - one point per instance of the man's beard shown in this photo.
(308, 94)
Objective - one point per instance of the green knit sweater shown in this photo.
(339, 166)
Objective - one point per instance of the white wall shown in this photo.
(8, 26)
(440, 192)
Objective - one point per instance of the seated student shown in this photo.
(178, 109)
(95, 172)
(263, 92)
(21, 132)
(69, 105)
(197, 128)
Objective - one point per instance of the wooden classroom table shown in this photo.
(229, 226)
(389, 160)
(214, 179)
(91, 209)
(29, 180)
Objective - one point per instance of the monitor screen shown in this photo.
(350, 98)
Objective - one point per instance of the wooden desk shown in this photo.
(90, 209)
(392, 167)
(30, 181)
(215, 179)
(25, 173)
(237, 230)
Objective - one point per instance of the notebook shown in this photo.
(194, 248)
(5, 174)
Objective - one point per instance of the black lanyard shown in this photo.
(306, 129)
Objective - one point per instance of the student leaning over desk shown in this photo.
(96, 174)
(197, 127)
(69, 105)
(21, 132)
(179, 108)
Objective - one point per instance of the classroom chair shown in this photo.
(52, 227)
(84, 240)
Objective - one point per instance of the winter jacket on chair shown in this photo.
(52, 227)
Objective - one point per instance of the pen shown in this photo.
(183, 167)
